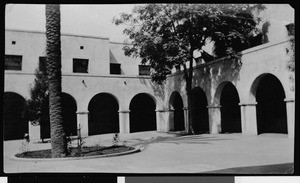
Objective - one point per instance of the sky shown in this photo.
(94, 20)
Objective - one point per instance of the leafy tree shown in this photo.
(53, 50)
(166, 35)
(37, 110)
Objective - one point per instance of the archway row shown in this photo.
(16, 124)
(103, 114)
(270, 110)
(200, 121)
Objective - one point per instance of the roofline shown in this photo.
(63, 34)
(123, 43)
(244, 52)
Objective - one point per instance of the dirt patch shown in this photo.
(75, 152)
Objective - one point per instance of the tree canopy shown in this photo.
(166, 35)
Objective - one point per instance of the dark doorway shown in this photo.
(270, 109)
(200, 115)
(69, 116)
(103, 114)
(69, 109)
(15, 124)
(177, 119)
(230, 110)
(142, 113)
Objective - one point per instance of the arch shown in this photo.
(271, 109)
(69, 109)
(103, 114)
(230, 109)
(142, 113)
(176, 118)
(69, 116)
(15, 124)
(200, 114)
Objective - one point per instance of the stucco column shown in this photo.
(186, 118)
(290, 114)
(248, 117)
(161, 124)
(34, 132)
(82, 120)
(214, 113)
(170, 119)
(124, 121)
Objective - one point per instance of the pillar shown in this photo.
(124, 121)
(249, 119)
(290, 114)
(186, 118)
(82, 120)
(170, 114)
(214, 114)
(161, 124)
(34, 132)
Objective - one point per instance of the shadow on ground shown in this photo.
(177, 139)
(286, 168)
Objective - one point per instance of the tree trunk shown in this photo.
(189, 105)
(53, 49)
(188, 76)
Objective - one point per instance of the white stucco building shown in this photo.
(107, 92)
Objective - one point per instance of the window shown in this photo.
(144, 70)
(13, 62)
(115, 68)
(42, 64)
(80, 65)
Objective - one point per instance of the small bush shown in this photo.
(116, 139)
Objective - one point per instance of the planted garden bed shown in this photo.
(76, 152)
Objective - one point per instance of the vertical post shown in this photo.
(82, 121)
(170, 119)
(124, 121)
(290, 110)
(214, 113)
(186, 119)
(249, 119)
(161, 124)
(34, 132)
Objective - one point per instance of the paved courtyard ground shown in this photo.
(170, 153)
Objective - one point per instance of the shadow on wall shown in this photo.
(208, 77)
(157, 89)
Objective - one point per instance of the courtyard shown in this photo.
(171, 153)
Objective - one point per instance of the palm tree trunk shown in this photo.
(53, 49)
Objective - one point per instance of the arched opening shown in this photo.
(15, 124)
(176, 118)
(69, 108)
(69, 115)
(200, 114)
(142, 113)
(230, 110)
(103, 114)
(270, 109)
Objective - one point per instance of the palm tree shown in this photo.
(53, 50)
